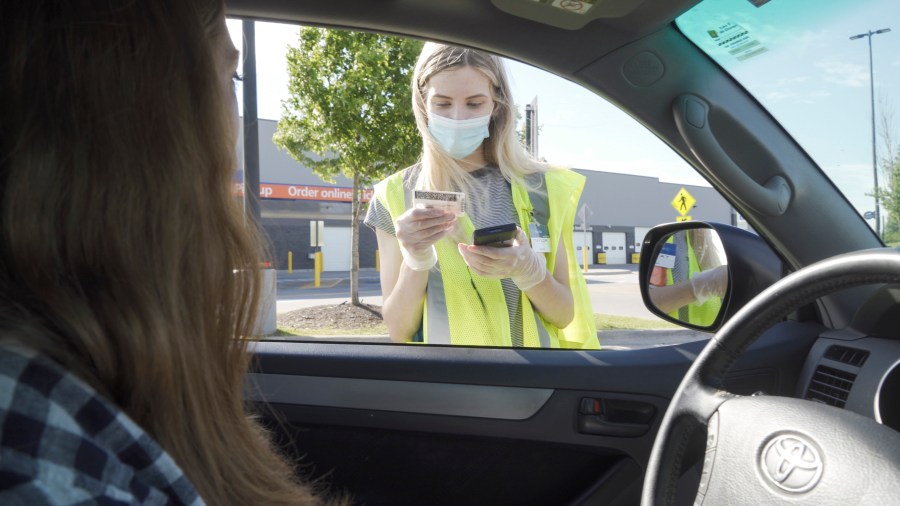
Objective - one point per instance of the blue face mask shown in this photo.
(459, 138)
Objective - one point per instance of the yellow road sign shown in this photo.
(682, 218)
(683, 202)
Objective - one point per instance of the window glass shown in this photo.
(633, 182)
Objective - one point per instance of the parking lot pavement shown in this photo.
(613, 290)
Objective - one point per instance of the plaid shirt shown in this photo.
(62, 443)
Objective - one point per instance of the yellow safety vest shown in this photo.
(704, 314)
(463, 308)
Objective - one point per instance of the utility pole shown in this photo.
(869, 35)
(251, 125)
(585, 254)
(531, 128)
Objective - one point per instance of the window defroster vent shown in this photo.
(851, 356)
(830, 386)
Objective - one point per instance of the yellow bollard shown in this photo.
(377, 262)
(317, 264)
(290, 262)
(585, 259)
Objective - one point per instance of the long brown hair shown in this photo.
(122, 253)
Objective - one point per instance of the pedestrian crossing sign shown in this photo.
(683, 202)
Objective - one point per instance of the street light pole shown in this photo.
(869, 35)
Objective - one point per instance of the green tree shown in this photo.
(889, 163)
(889, 195)
(350, 112)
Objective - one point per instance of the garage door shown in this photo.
(614, 247)
(336, 249)
(583, 240)
(639, 234)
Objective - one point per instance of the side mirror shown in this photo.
(698, 274)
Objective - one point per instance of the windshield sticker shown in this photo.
(574, 6)
(735, 39)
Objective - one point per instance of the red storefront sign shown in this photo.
(305, 192)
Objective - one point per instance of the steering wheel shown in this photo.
(772, 450)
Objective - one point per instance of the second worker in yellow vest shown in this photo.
(695, 285)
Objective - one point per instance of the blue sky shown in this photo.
(820, 93)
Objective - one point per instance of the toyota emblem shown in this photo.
(791, 463)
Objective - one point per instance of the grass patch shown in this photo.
(615, 322)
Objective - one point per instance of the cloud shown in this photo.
(780, 95)
(787, 81)
(796, 88)
(845, 74)
(806, 97)
(813, 96)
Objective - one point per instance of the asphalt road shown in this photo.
(613, 290)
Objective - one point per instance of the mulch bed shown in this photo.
(343, 316)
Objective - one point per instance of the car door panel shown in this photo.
(444, 425)
(407, 467)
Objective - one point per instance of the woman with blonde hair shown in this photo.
(437, 286)
(128, 276)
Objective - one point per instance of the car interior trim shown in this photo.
(893, 369)
(479, 401)
(692, 116)
(561, 17)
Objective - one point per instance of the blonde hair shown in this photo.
(123, 255)
(440, 171)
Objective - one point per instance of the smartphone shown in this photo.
(499, 236)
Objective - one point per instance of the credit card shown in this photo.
(454, 202)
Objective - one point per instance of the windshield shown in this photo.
(809, 64)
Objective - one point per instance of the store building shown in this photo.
(298, 207)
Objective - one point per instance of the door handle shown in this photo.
(614, 417)
(692, 120)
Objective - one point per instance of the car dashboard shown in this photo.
(858, 368)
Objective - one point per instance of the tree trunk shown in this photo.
(354, 242)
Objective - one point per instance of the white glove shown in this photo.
(417, 231)
(709, 284)
(518, 262)
(419, 261)
(529, 267)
